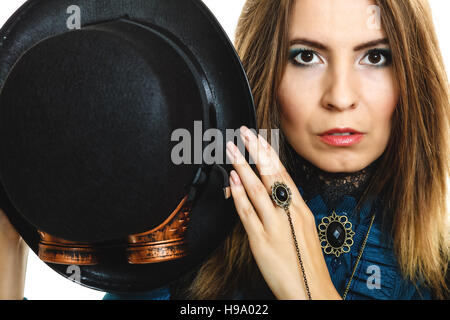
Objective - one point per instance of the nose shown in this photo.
(340, 92)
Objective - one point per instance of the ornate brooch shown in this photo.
(336, 234)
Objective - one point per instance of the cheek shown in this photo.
(297, 98)
(381, 95)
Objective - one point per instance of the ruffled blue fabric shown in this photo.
(157, 294)
(377, 275)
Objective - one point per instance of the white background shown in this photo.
(44, 283)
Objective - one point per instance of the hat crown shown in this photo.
(88, 117)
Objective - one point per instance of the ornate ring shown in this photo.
(281, 194)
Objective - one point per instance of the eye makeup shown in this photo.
(379, 53)
(304, 57)
(296, 55)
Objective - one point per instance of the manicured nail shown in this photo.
(232, 148)
(263, 141)
(246, 133)
(231, 181)
(235, 178)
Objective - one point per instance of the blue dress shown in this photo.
(377, 275)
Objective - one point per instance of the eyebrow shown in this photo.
(321, 46)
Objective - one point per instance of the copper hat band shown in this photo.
(163, 243)
(60, 251)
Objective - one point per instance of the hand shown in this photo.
(267, 225)
(13, 260)
(7, 231)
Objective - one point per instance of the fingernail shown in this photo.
(231, 181)
(263, 141)
(246, 133)
(232, 147)
(235, 178)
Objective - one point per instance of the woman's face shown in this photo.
(338, 92)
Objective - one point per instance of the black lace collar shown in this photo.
(331, 186)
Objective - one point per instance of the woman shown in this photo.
(363, 119)
(315, 66)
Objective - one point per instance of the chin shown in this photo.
(338, 163)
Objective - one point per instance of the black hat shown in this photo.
(95, 100)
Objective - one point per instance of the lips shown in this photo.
(341, 137)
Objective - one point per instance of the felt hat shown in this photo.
(97, 99)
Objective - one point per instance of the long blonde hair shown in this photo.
(418, 149)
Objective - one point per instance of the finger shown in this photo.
(266, 160)
(255, 189)
(244, 208)
(269, 164)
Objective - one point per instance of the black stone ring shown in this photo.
(281, 194)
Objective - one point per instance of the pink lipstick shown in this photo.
(341, 137)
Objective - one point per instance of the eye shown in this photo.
(377, 58)
(304, 57)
